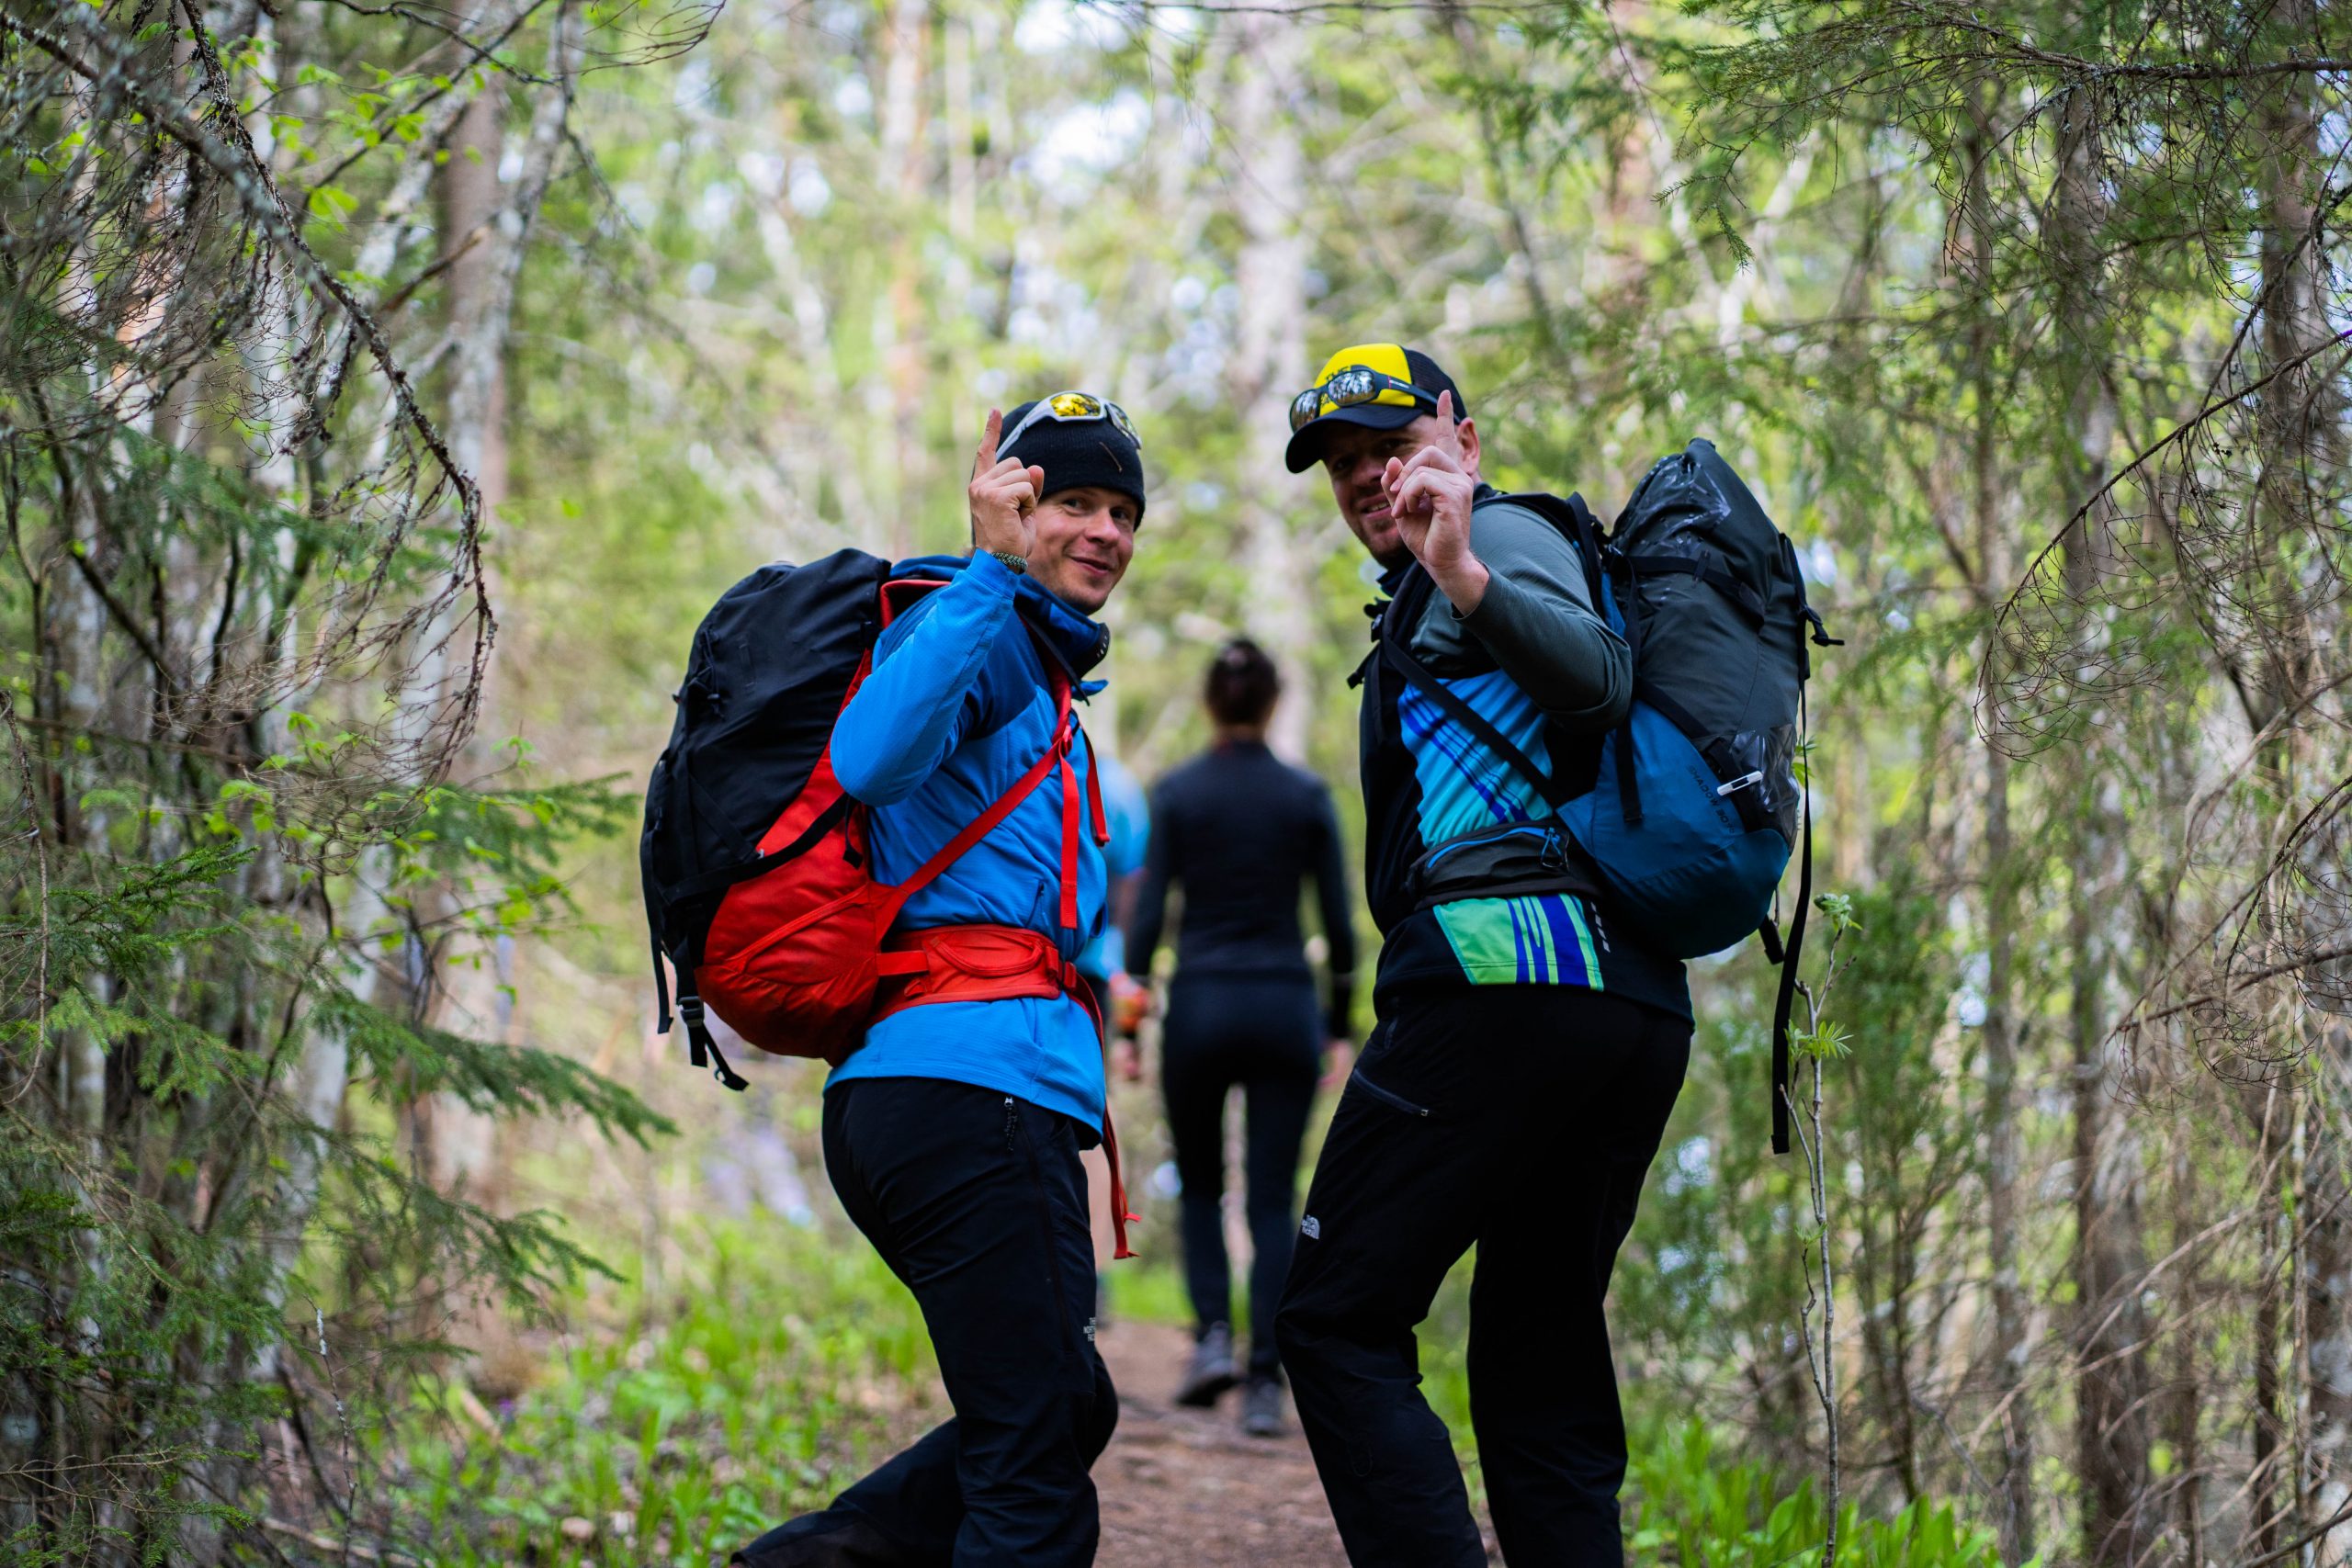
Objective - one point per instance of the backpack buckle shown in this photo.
(702, 1050)
(699, 1042)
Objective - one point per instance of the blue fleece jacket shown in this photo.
(957, 708)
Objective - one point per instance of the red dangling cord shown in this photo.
(1120, 1218)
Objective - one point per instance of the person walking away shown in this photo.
(952, 1134)
(1525, 1055)
(1240, 831)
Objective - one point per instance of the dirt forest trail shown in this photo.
(1187, 1487)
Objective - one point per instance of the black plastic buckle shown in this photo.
(702, 1050)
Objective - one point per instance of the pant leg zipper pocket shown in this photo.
(1395, 1102)
(1027, 1152)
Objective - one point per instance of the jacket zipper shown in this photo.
(1396, 1101)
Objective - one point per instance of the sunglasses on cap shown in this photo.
(1347, 388)
(1072, 408)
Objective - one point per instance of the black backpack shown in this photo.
(771, 666)
(1712, 601)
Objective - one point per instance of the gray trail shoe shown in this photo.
(1212, 1371)
(1262, 1408)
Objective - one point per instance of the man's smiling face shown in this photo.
(1355, 458)
(1084, 539)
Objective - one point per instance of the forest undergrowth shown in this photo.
(774, 1369)
(779, 1360)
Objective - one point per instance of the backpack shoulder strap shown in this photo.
(1395, 636)
(986, 822)
(1573, 518)
(900, 594)
(1793, 956)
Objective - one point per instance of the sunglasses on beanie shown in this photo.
(1072, 408)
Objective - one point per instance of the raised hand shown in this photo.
(1003, 494)
(1430, 495)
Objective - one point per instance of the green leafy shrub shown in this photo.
(1688, 1503)
(772, 1372)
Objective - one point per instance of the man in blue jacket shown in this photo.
(952, 1133)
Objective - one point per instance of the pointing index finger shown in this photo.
(987, 442)
(1445, 418)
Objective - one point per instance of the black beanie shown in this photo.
(1075, 453)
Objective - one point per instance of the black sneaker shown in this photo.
(1212, 1371)
(1262, 1408)
(826, 1539)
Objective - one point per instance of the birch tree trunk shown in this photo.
(2300, 420)
(459, 1143)
(1268, 362)
(901, 323)
(2327, 1294)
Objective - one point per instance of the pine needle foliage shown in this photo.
(246, 625)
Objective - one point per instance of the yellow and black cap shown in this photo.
(1378, 386)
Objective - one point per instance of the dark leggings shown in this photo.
(1264, 1034)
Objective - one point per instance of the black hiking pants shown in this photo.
(1263, 1033)
(1523, 1119)
(977, 1202)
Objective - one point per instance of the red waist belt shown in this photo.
(988, 964)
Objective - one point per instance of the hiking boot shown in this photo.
(1262, 1407)
(1212, 1371)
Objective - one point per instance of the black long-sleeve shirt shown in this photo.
(1241, 829)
